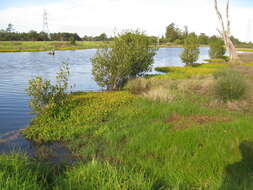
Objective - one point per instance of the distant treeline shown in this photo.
(177, 35)
(173, 35)
(9, 34)
(42, 36)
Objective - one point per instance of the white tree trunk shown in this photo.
(225, 33)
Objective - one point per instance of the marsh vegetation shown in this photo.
(187, 128)
(183, 129)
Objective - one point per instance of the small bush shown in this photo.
(225, 73)
(191, 50)
(138, 86)
(230, 85)
(72, 41)
(217, 49)
(44, 94)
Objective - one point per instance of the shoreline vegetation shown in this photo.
(188, 128)
(163, 132)
(40, 46)
(37, 46)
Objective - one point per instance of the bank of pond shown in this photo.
(166, 131)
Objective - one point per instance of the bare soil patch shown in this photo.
(183, 122)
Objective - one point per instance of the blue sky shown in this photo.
(92, 17)
(243, 3)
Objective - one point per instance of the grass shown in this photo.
(189, 71)
(136, 147)
(33, 46)
(18, 172)
(215, 60)
(126, 141)
(245, 49)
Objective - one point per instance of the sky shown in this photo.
(93, 17)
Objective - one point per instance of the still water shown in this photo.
(17, 68)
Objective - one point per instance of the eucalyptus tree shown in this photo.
(225, 32)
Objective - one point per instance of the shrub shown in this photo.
(217, 49)
(191, 49)
(230, 85)
(72, 40)
(130, 56)
(44, 94)
(225, 73)
(179, 42)
(138, 86)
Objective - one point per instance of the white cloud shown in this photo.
(93, 17)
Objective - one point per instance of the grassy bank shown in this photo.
(33, 46)
(183, 130)
(172, 134)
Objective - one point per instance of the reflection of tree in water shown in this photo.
(239, 176)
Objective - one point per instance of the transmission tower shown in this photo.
(45, 24)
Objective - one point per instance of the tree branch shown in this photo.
(228, 21)
(219, 16)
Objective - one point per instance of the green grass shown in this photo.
(33, 46)
(245, 49)
(18, 172)
(129, 144)
(189, 71)
(123, 141)
(215, 60)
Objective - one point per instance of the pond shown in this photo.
(17, 68)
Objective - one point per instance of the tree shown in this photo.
(101, 37)
(217, 49)
(172, 32)
(203, 38)
(72, 40)
(225, 33)
(191, 49)
(130, 56)
(10, 28)
(33, 35)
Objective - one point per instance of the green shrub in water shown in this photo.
(44, 94)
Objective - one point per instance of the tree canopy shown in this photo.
(130, 56)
